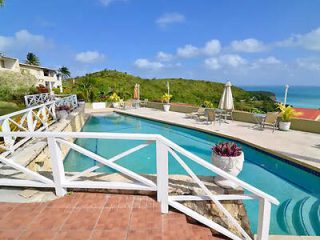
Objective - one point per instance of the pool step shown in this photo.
(300, 216)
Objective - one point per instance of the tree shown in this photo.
(1, 3)
(64, 71)
(32, 59)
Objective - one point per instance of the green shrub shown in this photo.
(13, 86)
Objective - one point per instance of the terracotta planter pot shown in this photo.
(231, 165)
(284, 126)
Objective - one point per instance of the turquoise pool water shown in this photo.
(297, 190)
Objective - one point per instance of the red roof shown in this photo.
(308, 113)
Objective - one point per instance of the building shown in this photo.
(46, 76)
(309, 113)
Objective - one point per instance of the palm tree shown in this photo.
(32, 59)
(64, 71)
(1, 3)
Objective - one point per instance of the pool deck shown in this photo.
(97, 216)
(300, 147)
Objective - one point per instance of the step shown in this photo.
(281, 216)
(315, 217)
(289, 217)
(297, 217)
(307, 216)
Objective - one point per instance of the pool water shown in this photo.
(297, 190)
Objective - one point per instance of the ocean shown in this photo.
(298, 96)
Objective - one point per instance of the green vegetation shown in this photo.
(287, 112)
(8, 107)
(166, 98)
(13, 88)
(99, 85)
(64, 71)
(32, 59)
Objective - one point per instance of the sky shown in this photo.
(247, 42)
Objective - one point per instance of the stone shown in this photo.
(28, 193)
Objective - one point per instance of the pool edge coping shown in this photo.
(259, 147)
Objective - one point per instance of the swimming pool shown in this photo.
(297, 190)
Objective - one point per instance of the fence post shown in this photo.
(8, 140)
(30, 121)
(264, 219)
(57, 166)
(162, 175)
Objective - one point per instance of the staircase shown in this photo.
(300, 216)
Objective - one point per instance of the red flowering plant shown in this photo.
(227, 149)
(63, 108)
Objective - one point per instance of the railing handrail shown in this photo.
(148, 137)
(37, 94)
(24, 110)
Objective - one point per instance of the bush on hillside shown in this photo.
(13, 86)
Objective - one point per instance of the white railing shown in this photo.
(70, 101)
(37, 99)
(61, 100)
(30, 119)
(164, 148)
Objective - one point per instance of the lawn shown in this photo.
(8, 107)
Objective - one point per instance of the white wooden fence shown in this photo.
(37, 99)
(30, 119)
(164, 148)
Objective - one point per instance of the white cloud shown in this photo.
(187, 51)
(269, 60)
(164, 57)
(170, 18)
(248, 45)
(108, 2)
(212, 63)
(143, 63)
(212, 47)
(89, 57)
(25, 41)
(232, 60)
(308, 63)
(310, 41)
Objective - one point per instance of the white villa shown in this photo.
(46, 76)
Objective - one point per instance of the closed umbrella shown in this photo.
(226, 101)
(136, 92)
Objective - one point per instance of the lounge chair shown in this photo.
(212, 118)
(271, 120)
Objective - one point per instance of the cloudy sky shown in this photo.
(248, 42)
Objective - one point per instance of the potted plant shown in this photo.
(63, 111)
(114, 99)
(286, 114)
(166, 99)
(229, 157)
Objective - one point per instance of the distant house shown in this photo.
(309, 113)
(46, 76)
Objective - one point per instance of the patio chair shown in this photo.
(229, 114)
(212, 118)
(271, 120)
(197, 114)
(127, 105)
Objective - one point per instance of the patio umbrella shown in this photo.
(226, 101)
(136, 92)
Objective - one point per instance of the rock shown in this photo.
(28, 193)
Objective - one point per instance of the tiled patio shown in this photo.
(96, 216)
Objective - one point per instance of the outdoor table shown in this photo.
(221, 114)
(259, 118)
(136, 103)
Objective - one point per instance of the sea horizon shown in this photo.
(298, 95)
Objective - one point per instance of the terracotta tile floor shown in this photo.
(96, 216)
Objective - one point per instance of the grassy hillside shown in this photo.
(98, 86)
